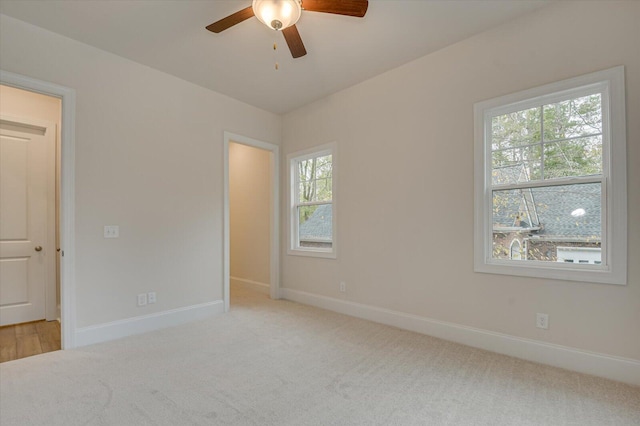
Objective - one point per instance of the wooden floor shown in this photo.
(32, 338)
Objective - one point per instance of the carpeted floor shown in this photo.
(281, 363)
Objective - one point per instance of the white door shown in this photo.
(27, 204)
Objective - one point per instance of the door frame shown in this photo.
(67, 196)
(274, 228)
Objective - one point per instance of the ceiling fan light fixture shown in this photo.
(277, 14)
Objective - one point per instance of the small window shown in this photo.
(516, 254)
(551, 172)
(313, 218)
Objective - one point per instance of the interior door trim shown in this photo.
(274, 258)
(67, 196)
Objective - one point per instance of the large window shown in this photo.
(551, 174)
(312, 218)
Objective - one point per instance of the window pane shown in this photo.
(315, 190)
(306, 191)
(315, 179)
(547, 219)
(315, 226)
(323, 192)
(323, 167)
(307, 169)
(572, 118)
(576, 157)
(516, 129)
(516, 165)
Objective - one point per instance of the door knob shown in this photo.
(38, 248)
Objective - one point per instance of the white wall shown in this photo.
(250, 213)
(149, 158)
(405, 196)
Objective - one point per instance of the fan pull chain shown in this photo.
(275, 50)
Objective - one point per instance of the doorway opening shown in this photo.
(57, 250)
(30, 128)
(251, 216)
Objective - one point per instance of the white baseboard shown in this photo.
(145, 323)
(611, 367)
(251, 285)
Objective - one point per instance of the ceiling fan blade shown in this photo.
(231, 20)
(294, 41)
(356, 8)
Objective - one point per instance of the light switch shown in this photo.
(111, 231)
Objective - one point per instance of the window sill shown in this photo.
(312, 253)
(587, 274)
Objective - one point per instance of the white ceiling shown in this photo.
(240, 62)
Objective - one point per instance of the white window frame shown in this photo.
(613, 270)
(293, 160)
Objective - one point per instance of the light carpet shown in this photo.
(281, 363)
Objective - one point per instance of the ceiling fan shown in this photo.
(282, 15)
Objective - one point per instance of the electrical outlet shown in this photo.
(542, 321)
(343, 286)
(151, 297)
(142, 299)
(111, 231)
